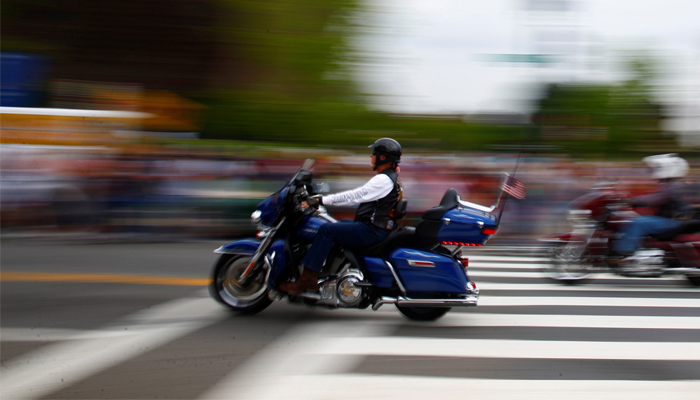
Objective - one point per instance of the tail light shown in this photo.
(464, 261)
(488, 231)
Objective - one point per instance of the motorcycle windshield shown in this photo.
(272, 207)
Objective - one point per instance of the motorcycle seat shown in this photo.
(399, 237)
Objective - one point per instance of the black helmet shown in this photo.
(387, 147)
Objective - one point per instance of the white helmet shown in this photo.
(665, 166)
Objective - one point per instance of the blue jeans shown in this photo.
(636, 231)
(351, 234)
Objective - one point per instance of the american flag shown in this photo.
(514, 188)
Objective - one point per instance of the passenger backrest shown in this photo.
(401, 209)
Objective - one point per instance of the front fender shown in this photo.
(243, 246)
(568, 237)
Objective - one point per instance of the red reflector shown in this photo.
(461, 244)
(488, 231)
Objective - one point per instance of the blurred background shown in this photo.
(172, 119)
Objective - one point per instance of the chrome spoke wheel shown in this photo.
(250, 296)
(569, 262)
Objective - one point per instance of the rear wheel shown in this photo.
(249, 298)
(569, 263)
(423, 313)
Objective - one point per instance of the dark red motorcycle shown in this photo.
(597, 218)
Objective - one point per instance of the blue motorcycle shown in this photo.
(421, 270)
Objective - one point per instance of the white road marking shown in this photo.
(56, 366)
(523, 266)
(538, 274)
(500, 259)
(584, 287)
(393, 387)
(491, 348)
(53, 335)
(586, 301)
(567, 321)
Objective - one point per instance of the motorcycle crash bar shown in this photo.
(469, 301)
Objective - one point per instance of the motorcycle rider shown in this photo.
(373, 222)
(670, 170)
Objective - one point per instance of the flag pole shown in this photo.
(503, 205)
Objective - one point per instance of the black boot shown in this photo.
(307, 282)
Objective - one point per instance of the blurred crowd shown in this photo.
(107, 192)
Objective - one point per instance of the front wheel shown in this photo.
(423, 313)
(569, 263)
(248, 298)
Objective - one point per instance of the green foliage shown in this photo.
(612, 120)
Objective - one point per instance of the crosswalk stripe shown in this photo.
(499, 259)
(538, 274)
(586, 301)
(583, 288)
(50, 335)
(57, 366)
(395, 387)
(492, 348)
(567, 321)
(504, 265)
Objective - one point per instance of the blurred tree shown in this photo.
(611, 119)
(282, 71)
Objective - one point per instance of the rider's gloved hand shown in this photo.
(314, 201)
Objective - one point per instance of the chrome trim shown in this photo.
(446, 221)
(268, 264)
(322, 213)
(476, 206)
(396, 277)
(415, 263)
(262, 248)
(383, 300)
(470, 300)
(245, 253)
(312, 296)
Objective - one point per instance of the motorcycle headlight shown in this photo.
(255, 217)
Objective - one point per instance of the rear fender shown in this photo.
(243, 247)
(569, 237)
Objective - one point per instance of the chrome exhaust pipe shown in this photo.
(469, 301)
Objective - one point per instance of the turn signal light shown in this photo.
(488, 231)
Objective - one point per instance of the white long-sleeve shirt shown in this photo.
(376, 188)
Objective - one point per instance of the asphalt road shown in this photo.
(134, 321)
